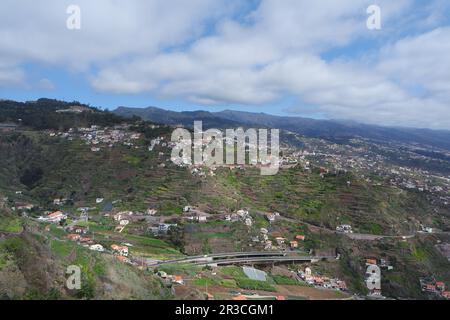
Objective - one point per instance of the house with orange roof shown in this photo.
(86, 240)
(239, 298)
(371, 262)
(123, 259)
(318, 280)
(73, 237)
(300, 237)
(121, 250)
(178, 280)
(293, 244)
(56, 217)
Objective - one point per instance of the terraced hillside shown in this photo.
(39, 166)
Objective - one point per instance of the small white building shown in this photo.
(97, 247)
(55, 217)
(186, 209)
(124, 222)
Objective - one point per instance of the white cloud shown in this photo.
(199, 51)
(36, 30)
(423, 60)
(11, 77)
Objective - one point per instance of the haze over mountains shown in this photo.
(327, 129)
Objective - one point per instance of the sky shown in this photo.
(285, 57)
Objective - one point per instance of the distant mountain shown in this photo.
(54, 114)
(327, 129)
(186, 118)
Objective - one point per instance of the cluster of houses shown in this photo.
(431, 286)
(361, 159)
(121, 253)
(170, 280)
(121, 219)
(96, 136)
(280, 242)
(79, 234)
(194, 215)
(321, 281)
(240, 215)
(85, 241)
(159, 141)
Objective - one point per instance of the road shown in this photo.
(260, 260)
(372, 237)
(217, 255)
(241, 257)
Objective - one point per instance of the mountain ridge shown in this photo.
(328, 129)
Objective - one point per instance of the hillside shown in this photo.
(40, 166)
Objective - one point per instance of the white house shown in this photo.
(97, 247)
(186, 209)
(55, 217)
(124, 222)
(242, 213)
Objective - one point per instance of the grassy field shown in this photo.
(11, 225)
